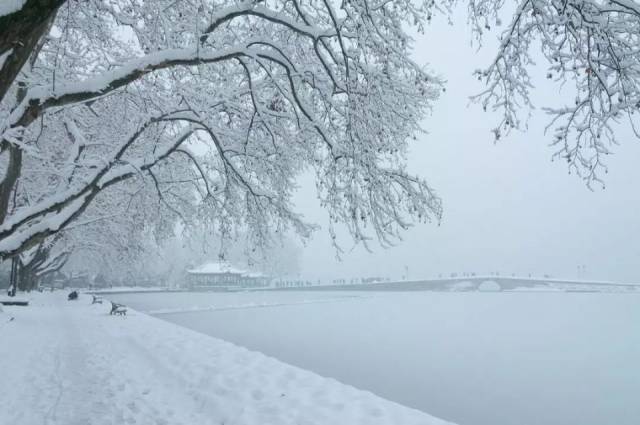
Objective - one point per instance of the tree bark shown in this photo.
(10, 179)
(27, 279)
(28, 271)
(13, 284)
(19, 35)
(31, 271)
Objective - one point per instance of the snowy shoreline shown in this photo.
(130, 290)
(72, 363)
(244, 306)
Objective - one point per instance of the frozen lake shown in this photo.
(472, 358)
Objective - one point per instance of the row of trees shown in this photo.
(123, 118)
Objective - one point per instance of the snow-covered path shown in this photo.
(69, 363)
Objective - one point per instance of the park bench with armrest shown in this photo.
(118, 309)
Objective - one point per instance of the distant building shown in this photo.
(222, 276)
(372, 279)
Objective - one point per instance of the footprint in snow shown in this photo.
(132, 406)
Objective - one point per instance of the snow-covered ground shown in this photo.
(70, 363)
(128, 289)
(248, 305)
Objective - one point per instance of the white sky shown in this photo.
(508, 208)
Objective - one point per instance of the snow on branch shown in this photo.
(208, 113)
(592, 48)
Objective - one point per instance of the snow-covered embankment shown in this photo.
(71, 363)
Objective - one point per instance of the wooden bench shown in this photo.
(15, 302)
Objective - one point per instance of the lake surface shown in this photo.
(471, 358)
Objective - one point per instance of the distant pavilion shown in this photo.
(222, 276)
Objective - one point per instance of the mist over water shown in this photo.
(471, 358)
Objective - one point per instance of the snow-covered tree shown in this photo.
(23, 25)
(218, 106)
(592, 48)
(40, 261)
(115, 234)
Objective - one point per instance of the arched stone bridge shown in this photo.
(483, 283)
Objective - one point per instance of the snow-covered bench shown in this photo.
(96, 300)
(118, 309)
(13, 301)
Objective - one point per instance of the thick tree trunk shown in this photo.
(10, 179)
(28, 272)
(19, 36)
(31, 271)
(27, 279)
(13, 280)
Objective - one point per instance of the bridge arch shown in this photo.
(489, 286)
